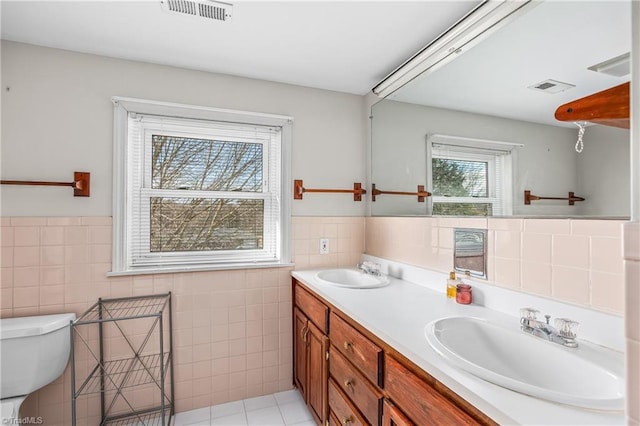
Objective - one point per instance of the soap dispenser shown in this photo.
(451, 285)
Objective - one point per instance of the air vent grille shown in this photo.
(551, 86)
(202, 8)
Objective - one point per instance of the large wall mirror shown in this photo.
(480, 130)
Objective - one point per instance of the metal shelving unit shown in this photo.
(146, 367)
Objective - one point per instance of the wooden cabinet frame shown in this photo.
(310, 354)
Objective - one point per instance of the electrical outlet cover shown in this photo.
(324, 246)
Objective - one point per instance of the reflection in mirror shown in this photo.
(469, 177)
(470, 252)
(488, 100)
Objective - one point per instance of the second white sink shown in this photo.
(351, 278)
(587, 377)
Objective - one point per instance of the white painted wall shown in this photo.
(604, 172)
(57, 118)
(547, 164)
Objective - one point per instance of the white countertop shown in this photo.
(398, 314)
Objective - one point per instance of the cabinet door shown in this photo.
(419, 400)
(300, 351)
(317, 372)
(391, 416)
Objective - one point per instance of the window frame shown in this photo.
(124, 186)
(482, 150)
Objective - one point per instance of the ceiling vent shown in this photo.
(552, 86)
(217, 11)
(617, 67)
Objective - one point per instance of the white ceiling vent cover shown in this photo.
(552, 86)
(617, 67)
(215, 10)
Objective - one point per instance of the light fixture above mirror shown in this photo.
(472, 29)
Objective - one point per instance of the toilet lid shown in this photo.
(11, 328)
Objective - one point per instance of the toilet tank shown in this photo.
(34, 351)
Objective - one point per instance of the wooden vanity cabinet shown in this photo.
(418, 399)
(355, 387)
(392, 416)
(355, 364)
(310, 347)
(364, 354)
(350, 377)
(342, 408)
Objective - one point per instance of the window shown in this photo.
(469, 177)
(198, 188)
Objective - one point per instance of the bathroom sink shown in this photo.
(351, 278)
(587, 377)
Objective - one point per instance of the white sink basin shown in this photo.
(587, 377)
(351, 278)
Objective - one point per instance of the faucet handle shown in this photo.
(528, 313)
(567, 328)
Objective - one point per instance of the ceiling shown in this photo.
(555, 40)
(346, 46)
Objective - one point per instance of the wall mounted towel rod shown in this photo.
(528, 198)
(299, 189)
(81, 183)
(421, 193)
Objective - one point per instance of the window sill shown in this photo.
(197, 268)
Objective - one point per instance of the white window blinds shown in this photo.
(470, 176)
(200, 193)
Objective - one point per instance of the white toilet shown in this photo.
(34, 351)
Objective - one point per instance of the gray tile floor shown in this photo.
(280, 409)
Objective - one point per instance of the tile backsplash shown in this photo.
(576, 261)
(232, 329)
(345, 235)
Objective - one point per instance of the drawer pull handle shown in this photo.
(347, 346)
(348, 384)
(347, 420)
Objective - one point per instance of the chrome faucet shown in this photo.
(370, 268)
(564, 332)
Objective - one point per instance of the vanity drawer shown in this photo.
(362, 353)
(341, 408)
(314, 309)
(353, 384)
(419, 400)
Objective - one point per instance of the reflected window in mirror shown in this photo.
(469, 177)
(486, 93)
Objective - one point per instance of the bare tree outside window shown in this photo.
(192, 223)
(460, 178)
